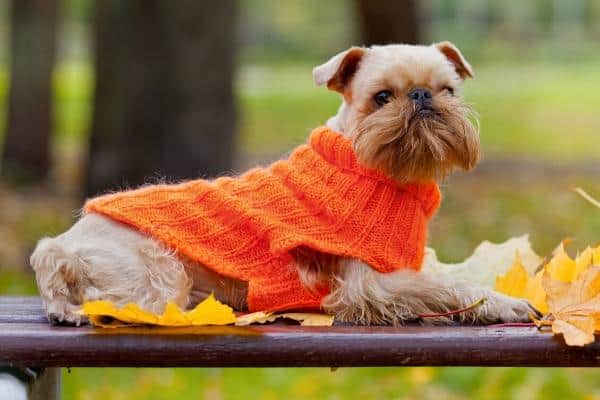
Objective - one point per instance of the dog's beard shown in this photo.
(412, 147)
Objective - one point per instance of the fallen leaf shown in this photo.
(561, 267)
(565, 269)
(134, 314)
(567, 289)
(514, 282)
(574, 306)
(536, 293)
(211, 312)
(487, 261)
(305, 319)
(102, 314)
(578, 331)
(208, 312)
(259, 317)
(518, 283)
(100, 307)
(173, 316)
(583, 261)
(310, 319)
(596, 256)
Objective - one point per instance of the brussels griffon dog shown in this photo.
(339, 225)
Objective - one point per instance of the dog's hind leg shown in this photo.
(99, 259)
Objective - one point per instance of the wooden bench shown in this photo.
(28, 342)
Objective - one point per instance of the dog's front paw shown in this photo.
(61, 313)
(67, 319)
(505, 309)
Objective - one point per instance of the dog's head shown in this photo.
(403, 108)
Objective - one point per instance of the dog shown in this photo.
(405, 123)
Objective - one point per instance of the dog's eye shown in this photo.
(383, 97)
(450, 90)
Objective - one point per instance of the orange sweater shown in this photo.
(245, 227)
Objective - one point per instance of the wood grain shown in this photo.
(36, 344)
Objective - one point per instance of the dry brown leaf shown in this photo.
(259, 317)
(575, 306)
(305, 319)
(310, 319)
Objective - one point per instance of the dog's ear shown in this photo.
(453, 54)
(338, 71)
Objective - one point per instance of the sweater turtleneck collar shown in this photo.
(338, 150)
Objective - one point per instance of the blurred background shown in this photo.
(108, 94)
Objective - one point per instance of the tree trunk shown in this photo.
(385, 21)
(164, 102)
(26, 153)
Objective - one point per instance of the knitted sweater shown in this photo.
(318, 198)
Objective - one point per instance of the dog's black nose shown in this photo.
(421, 96)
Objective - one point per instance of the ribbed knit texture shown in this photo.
(245, 227)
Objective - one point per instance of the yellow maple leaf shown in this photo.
(211, 312)
(561, 266)
(596, 255)
(173, 316)
(536, 293)
(574, 306)
(99, 307)
(518, 283)
(102, 313)
(583, 261)
(134, 314)
(514, 282)
(208, 312)
(565, 269)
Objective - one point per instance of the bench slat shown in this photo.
(35, 344)
(21, 309)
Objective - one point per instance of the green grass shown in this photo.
(17, 283)
(478, 209)
(538, 111)
(546, 112)
(346, 383)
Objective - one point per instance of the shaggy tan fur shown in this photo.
(415, 148)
